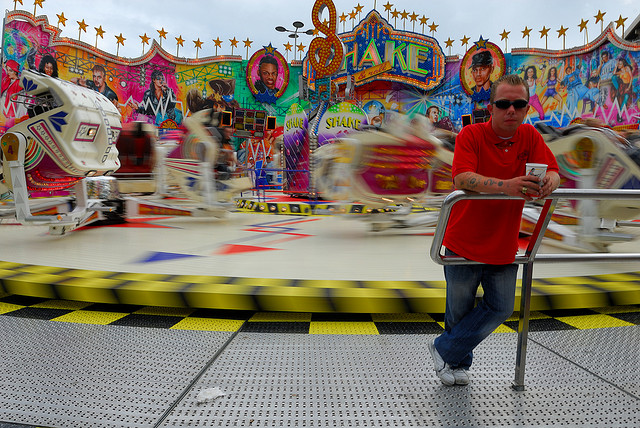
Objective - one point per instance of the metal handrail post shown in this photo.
(523, 326)
(525, 291)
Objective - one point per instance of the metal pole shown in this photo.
(523, 326)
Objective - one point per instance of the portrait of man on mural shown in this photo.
(159, 101)
(267, 75)
(98, 83)
(481, 69)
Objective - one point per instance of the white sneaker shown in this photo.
(443, 371)
(461, 376)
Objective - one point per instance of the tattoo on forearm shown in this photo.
(472, 183)
(489, 182)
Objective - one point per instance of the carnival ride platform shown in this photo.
(299, 320)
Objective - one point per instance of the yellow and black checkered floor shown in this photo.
(304, 323)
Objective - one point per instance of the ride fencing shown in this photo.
(531, 254)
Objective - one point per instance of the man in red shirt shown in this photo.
(489, 158)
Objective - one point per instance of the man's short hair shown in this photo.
(98, 67)
(269, 59)
(433, 107)
(509, 79)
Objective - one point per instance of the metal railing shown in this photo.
(527, 259)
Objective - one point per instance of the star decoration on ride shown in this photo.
(562, 31)
(162, 33)
(481, 43)
(83, 25)
(583, 25)
(269, 50)
(61, 19)
(145, 39)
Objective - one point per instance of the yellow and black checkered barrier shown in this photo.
(308, 208)
(295, 322)
(293, 295)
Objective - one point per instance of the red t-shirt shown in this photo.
(487, 230)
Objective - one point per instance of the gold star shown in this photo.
(504, 34)
(145, 39)
(99, 31)
(197, 43)
(247, 43)
(61, 19)
(404, 14)
(162, 33)
(83, 25)
(37, 3)
(120, 39)
(269, 50)
(526, 32)
(359, 8)
(179, 40)
(387, 7)
(600, 16)
(16, 1)
(343, 17)
(288, 46)
(583, 25)
(395, 13)
(481, 43)
(562, 31)
(217, 42)
(544, 32)
(414, 17)
(316, 31)
(449, 42)
(301, 47)
(433, 27)
(353, 14)
(620, 22)
(234, 42)
(465, 40)
(423, 20)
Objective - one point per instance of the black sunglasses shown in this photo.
(505, 104)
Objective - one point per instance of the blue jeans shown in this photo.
(467, 324)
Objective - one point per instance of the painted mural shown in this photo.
(391, 72)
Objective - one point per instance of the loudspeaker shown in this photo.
(271, 123)
(227, 118)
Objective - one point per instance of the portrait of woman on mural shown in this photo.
(479, 69)
(550, 85)
(48, 66)
(158, 102)
(531, 76)
(267, 75)
(11, 86)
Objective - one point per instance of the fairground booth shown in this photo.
(392, 65)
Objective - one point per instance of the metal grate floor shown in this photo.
(73, 375)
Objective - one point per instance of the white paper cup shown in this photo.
(537, 169)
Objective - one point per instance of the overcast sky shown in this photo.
(256, 20)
